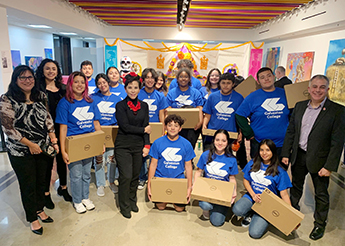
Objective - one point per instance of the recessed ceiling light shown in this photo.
(89, 38)
(39, 26)
(68, 33)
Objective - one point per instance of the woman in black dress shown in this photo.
(49, 78)
(132, 143)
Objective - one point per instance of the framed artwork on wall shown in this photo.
(299, 66)
(33, 61)
(16, 60)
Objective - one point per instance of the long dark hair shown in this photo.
(164, 87)
(272, 168)
(208, 83)
(16, 93)
(211, 154)
(40, 75)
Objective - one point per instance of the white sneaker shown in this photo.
(79, 208)
(141, 185)
(100, 191)
(88, 204)
(206, 214)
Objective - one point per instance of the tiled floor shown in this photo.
(106, 226)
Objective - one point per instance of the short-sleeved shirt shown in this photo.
(171, 156)
(220, 168)
(195, 83)
(156, 102)
(92, 86)
(259, 181)
(106, 107)
(222, 110)
(191, 97)
(205, 94)
(119, 91)
(78, 116)
(268, 113)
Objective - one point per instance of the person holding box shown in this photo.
(77, 114)
(217, 163)
(264, 171)
(28, 125)
(106, 102)
(132, 143)
(184, 95)
(176, 151)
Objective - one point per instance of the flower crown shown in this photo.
(133, 74)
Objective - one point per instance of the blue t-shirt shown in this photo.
(205, 94)
(92, 86)
(156, 102)
(171, 156)
(268, 113)
(259, 181)
(78, 116)
(177, 98)
(222, 110)
(119, 91)
(220, 168)
(195, 83)
(106, 107)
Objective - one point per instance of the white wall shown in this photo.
(318, 43)
(5, 74)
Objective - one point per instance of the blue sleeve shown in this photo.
(169, 99)
(208, 106)
(153, 150)
(234, 168)
(190, 151)
(96, 111)
(202, 160)
(245, 108)
(173, 84)
(246, 170)
(199, 100)
(163, 102)
(284, 180)
(62, 112)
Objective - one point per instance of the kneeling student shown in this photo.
(217, 163)
(180, 158)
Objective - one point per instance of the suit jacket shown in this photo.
(325, 140)
(282, 82)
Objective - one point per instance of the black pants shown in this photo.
(299, 171)
(129, 161)
(191, 135)
(31, 171)
(61, 169)
(241, 154)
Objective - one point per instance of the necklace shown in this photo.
(220, 96)
(105, 98)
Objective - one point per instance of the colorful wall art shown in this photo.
(110, 55)
(16, 61)
(255, 61)
(271, 59)
(299, 66)
(33, 61)
(48, 53)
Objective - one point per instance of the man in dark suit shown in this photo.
(282, 80)
(313, 144)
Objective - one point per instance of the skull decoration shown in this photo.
(126, 63)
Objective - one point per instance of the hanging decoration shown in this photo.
(160, 62)
(183, 53)
(231, 68)
(203, 62)
(136, 67)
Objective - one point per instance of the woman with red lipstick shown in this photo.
(26, 121)
(217, 163)
(132, 143)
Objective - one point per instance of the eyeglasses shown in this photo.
(23, 78)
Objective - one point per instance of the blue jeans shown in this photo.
(258, 225)
(80, 176)
(113, 171)
(144, 169)
(217, 212)
(100, 172)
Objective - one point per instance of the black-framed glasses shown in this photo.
(23, 78)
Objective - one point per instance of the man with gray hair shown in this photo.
(313, 144)
(282, 80)
(187, 64)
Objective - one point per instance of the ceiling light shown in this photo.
(68, 33)
(89, 38)
(39, 26)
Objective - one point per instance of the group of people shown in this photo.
(311, 138)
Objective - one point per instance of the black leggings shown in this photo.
(61, 170)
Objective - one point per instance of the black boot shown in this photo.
(64, 194)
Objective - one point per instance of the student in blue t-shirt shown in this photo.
(187, 64)
(87, 69)
(161, 83)
(171, 156)
(115, 86)
(268, 112)
(157, 105)
(212, 83)
(262, 172)
(105, 102)
(217, 163)
(186, 96)
(220, 108)
(77, 114)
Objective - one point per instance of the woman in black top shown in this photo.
(49, 78)
(27, 123)
(132, 143)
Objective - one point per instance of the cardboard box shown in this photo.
(296, 92)
(110, 135)
(169, 190)
(280, 214)
(86, 145)
(190, 115)
(156, 130)
(213, 191)
(211, 132)
(247, 86)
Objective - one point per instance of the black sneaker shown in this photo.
(64, 194)
(246, 221)
(48, 203)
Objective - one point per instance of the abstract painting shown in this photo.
(255, 61)
(110, 55)
(299, 66)
(48, 53)
(272, 58)
(33, 61)
(16, 61)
